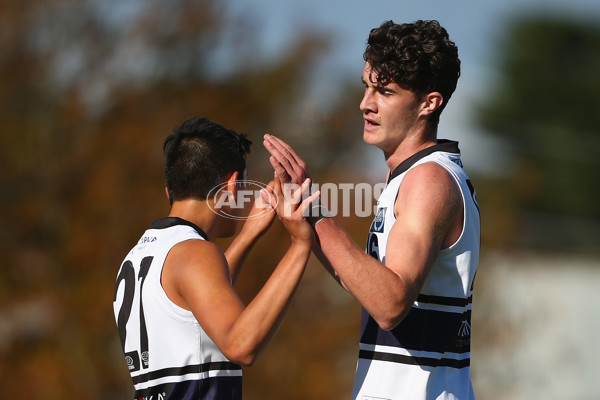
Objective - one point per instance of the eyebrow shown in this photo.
(374, 83)
(377, 86)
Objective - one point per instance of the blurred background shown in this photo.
(89, 89)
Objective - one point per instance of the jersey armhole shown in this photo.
(463, 200)
(169, 305)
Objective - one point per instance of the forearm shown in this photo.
(262, 318)
(379, 290)
(318, 252)
(238, 251)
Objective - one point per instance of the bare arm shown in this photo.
(258, 222)
(196, 277)
(427, 205)
(424, 214)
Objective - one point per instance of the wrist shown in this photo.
(317, 213)
(302, 243)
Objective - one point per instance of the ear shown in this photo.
(432, 102)
(167, 193)
(230, 183)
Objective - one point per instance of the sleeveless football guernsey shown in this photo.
(427, 356)
(168, 354)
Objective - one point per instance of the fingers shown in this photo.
(280, 171)
(288, 198)
(308, 202)
(264, 200)
(275, 190)
(269, 196)
(297, 195)
(286, 163)
(283, 148)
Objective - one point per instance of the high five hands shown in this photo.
(289, 168)
(291, 203)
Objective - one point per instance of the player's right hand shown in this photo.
(288, 166)
(291, 202)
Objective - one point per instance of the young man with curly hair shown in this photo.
(415, 279)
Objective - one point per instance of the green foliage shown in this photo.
(545, 103)
(549, 78)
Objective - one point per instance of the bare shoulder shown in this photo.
(431, 188)
(190, 265)
(430, 178)
(192, 251)
(431, 172)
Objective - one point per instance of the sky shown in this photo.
(473, 25)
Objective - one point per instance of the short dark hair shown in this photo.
(199, 155)
(418, 56)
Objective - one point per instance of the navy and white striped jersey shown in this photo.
(168, 353)
(427, 356)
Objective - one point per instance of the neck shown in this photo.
(199, 213)
(405, 150)
(421, 136)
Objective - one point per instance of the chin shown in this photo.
(371, 139)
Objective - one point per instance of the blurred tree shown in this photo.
(545, 105)
(88, 91)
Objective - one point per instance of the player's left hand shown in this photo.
(288, 166)
(292, 203)
(261, 216)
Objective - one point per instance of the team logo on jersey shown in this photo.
(376, 227)
(373, 246)
(379, 220)
(145, 359)
(464, 335)
(132, 359)
(457, 161)
(465, 328)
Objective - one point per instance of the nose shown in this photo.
(367, 103)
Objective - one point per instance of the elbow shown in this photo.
(243, 349)
(387, 324)
(248, 360)
(244, 358)
(244, 353)
(391, 319)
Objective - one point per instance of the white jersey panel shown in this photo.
(427, 356)
(165, 348)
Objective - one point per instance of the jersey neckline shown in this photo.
(445, 145)
(168, 222)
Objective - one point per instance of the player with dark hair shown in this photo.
(184, 330)
(202, 145)
(415, 279)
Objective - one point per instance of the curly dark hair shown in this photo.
(418, 56)
(200, 154)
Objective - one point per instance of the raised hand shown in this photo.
(288, 166)
(261, 215)
(287, 199)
